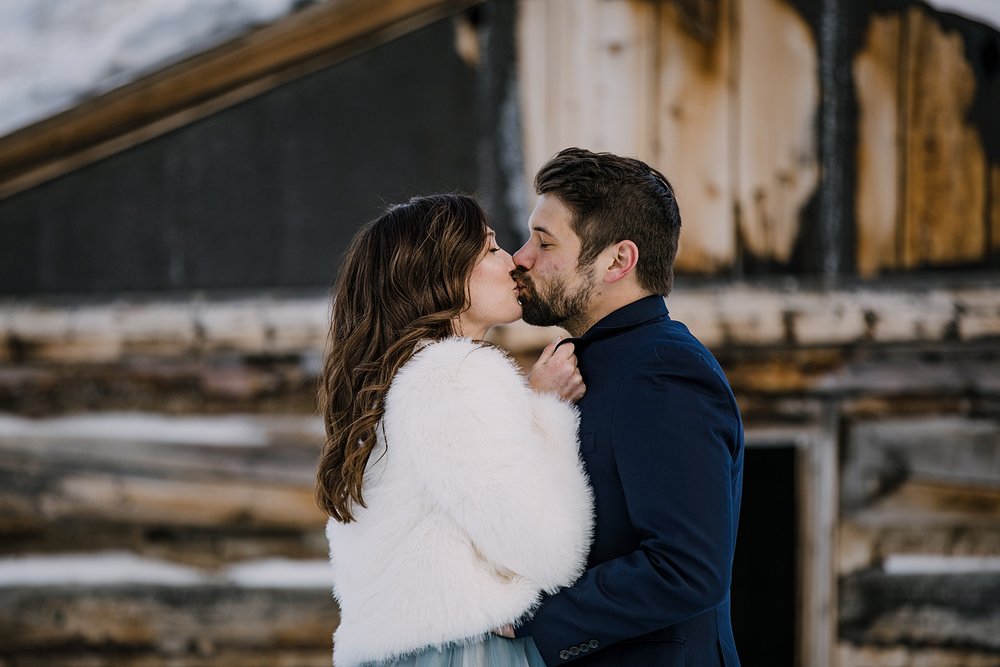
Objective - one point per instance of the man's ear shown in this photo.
(621, 261)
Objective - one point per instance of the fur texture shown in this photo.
(477, 503)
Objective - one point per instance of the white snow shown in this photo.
(983, 11)
(122, 568)
(936, 564)
(229, 430)
(280, 573)
(93, 570)
(55, 53)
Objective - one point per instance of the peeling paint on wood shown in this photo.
(876, 77)
(995, 210)
(944, 210)
(778, 99)
(695, 149)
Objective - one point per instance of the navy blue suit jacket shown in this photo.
(662, 440)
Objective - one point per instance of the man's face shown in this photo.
(554, 289)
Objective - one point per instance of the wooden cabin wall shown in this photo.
(882, 374)
(823, 153)
(871, 154)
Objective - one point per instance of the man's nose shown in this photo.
(523, 257)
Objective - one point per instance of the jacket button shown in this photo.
(564, 655)
(574, 650)
(594, 643)
(584, 648)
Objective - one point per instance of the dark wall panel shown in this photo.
(264, 194)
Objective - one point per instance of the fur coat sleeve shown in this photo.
(498, 458)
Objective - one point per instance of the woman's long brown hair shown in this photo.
(404, 279)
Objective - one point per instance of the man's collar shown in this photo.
(645, 309)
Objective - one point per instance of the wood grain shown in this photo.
(945, 183)
(877, 81)
(777, 103)
(694, 147)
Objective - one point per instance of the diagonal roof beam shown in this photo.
(245, 67)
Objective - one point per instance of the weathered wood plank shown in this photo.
(777, 102)
(865, 545)
(995, 210)
(177, 622)
(533, 38)
(623, 102)
(850, 655)
(121, 479)
(738, 314)
(876, 80)
(933, 469)
(944, 216)
(921, 610)
(694, 147)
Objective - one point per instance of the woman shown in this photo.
(453, 485)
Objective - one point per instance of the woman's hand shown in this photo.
(555, 372)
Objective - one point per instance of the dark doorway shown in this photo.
(765, 571)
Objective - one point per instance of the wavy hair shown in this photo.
(404, 278)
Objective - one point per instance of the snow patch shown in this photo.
(116, 568)
(281, 573)
(934, 564)
(983, 11)
(94, 570)
(54, 54)
(232, 431)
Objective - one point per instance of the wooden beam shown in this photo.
(242, 68)
(732, 315)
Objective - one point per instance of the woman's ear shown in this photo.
(624, 256)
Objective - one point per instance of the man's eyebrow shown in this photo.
(539, 228)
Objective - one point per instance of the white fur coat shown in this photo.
(477, 502)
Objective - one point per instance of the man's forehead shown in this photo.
(549, 217)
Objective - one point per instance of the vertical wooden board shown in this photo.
(995, 210)
(694, 150)
(587, 73)
(624, 78)
(532, 42)
(944, 207)
(570, 73)
(876, 82)
(777, 104)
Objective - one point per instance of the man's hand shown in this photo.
(555, 372)
(505, 631)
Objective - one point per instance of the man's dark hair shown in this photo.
(615, 199)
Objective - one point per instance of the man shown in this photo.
(660, 432)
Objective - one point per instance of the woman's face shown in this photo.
(492, 292)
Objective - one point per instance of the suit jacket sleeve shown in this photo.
(675, 431)
(502, 461)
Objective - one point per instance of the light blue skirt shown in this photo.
(492, 651)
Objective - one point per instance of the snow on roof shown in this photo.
(54, 53)
(983, 11)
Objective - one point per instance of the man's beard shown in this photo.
(558, 305)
